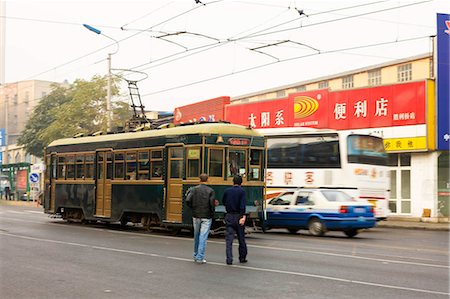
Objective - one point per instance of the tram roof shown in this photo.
(201, 129)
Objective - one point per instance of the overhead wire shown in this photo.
(281, 61)
(262, 34)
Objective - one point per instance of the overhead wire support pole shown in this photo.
(109, 87)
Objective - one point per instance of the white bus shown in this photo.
(305, 157)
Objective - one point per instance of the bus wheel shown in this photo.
(293, 230)
(316, 227)
(351, 233)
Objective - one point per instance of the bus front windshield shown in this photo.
(366, 149)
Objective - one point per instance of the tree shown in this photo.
(64, 112)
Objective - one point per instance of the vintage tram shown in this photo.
(143, 176)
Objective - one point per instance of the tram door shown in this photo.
(103, 184)
(174, 184)
(51, 177)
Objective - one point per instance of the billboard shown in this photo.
(443, 79)
(374, 107)
(209, 110)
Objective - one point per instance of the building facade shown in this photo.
(17, 102)
(395, 100)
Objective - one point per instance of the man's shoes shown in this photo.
(200, 261)
(229, 263)
(243, 261)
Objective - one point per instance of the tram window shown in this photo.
(70, 167)
(109, 166)
(236, 163)
(131, 166)
(255, 165)
(216, 162)
(157, 169)
(193, 162)
(157, 154)
(176, 153)
(119, 166)
(176, 169)
(61, 168)
(89, 166)
(143, 165)
(79, 166)
(54, 168)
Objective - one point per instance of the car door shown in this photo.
(278, 210)
(304, 207)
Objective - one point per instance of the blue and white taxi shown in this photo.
(319, 210)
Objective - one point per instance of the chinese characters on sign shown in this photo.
(375, 107)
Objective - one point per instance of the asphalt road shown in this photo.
(43, 257)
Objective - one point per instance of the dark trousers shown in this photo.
(233, 227)
(7, 193)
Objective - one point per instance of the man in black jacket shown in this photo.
(234, 200)
(201, 199)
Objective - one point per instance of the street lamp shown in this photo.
(108, 97)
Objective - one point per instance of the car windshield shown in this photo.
(336, 195)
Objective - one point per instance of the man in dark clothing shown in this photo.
(234, 201)
(201, 199)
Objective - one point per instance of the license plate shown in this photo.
(359, 210)
(361, 219)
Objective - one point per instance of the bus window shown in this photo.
(236, 163)
(193, 162)
(255, 165)
(366, 149)
(308, 151)
(216, 162)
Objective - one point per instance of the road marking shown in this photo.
(235, 266)
(384, 261)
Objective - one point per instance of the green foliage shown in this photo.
(66, 111)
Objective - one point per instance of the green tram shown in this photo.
(142, 177)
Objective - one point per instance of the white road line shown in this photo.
(235, 266)
(258, 246)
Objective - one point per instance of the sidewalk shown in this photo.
(413, 223)
(20, 203)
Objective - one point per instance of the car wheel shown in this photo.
(316, 227)
(293, 230)
(351, 233)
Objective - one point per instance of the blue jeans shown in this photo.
(201, 232)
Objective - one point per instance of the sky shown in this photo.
(182, 52)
